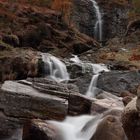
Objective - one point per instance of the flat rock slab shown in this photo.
(23, 101)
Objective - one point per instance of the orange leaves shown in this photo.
(64, 6)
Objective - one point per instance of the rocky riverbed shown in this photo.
(59, 80)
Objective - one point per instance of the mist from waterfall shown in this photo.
(98, 24)
(54, 68)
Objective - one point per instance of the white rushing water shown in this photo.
(92, 89)
(78, 128)
(56, 68)
(98, 24)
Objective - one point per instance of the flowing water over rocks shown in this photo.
(54, 68)
(63, 106)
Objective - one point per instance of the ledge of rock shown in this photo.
(22, 101)
(35, 98)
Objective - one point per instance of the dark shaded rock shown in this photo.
(79, 104)
(12, 40)
(18, 64)
(8, 126)
(117, 82)
(83, 83)
(133, 26)
(81, 48)
(34, 35)
(4, 46)
(110, 128)
(41, 130)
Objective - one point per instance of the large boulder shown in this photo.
(23, 101)
(117, 82)
(19, 64)
(110, 128)
(131, 121)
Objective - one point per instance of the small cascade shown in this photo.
(98, 24)
(54, 68)
(93, 90)
(78, 128)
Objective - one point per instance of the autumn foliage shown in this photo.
(65, 6)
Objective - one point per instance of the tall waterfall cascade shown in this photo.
(54, 68)
(99, 22)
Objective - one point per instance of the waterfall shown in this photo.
(78, 128)
(54, 68)
(92, 89)
(81, 127)
(98, 24)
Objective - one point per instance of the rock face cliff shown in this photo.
(82, 15)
